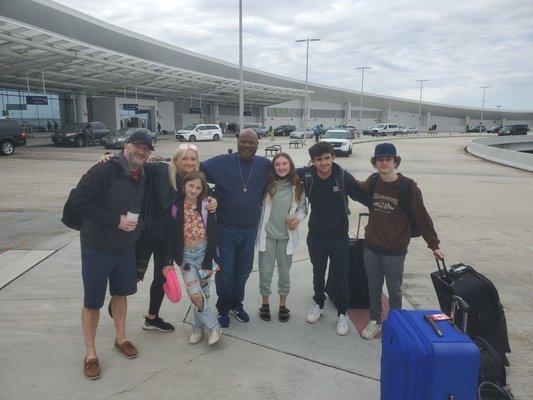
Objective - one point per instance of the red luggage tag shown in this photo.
(440, 317)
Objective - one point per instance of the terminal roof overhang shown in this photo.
(27, 53)
(161, 64)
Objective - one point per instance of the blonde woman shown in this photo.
(163, 188)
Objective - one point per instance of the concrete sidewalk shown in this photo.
(481, 212)
(41, 338)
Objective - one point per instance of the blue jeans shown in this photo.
(336, 249)
(192, 263)
(236, 246)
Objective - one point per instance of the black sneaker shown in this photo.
(157, 324)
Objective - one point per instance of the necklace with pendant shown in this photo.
(245, 184)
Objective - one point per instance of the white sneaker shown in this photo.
(371, 330)
(214, 335)
(315, 314)
(342, 325)
(196, 335)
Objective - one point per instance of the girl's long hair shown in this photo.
(292, 177)
(178, 155)
(191, 176)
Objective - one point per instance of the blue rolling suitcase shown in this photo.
(417, 364)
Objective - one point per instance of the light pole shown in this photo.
(241, 87)
(420, 103)
(482, 106)
(306, 118)
(362, 68)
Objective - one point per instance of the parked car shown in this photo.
(350, 128)
(259, 129)
(79, 133)
(494, 129)
(411, 129)
(384, 129)
(518, 129)
(117, 140)
(11, 136)
(299, 134)
(194, 132)
(368, 131)
(402, 130)
(478, 128)
(284, 130)
(340, 140)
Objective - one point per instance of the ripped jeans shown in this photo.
(190, 270)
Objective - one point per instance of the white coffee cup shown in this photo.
(133, 217)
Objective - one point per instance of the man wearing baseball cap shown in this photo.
(108, 199)
(396, 213)
(142, 136)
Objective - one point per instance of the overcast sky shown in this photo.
(458, 45)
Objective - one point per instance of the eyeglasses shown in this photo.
(187, 146)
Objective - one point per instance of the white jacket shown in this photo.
(298, 209)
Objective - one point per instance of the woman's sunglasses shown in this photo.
(187, 146)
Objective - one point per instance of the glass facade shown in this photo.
(35, 117)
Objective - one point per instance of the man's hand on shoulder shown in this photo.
(105, 158)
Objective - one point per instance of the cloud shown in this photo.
(456, 45)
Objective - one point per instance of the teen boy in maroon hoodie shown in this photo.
(397, 213)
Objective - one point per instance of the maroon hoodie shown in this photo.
(388, 229)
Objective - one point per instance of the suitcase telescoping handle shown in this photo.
(442, 271)
(359, 223)
(459, 303)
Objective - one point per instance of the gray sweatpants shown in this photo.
(275, 250)
(379, 267)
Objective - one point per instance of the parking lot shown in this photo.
(481, 212)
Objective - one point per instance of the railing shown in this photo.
(506, 150)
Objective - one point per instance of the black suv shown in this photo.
(284, 130)
(520, 129)
(80, 133)
(11, 136)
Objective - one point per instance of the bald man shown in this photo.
(239, 179)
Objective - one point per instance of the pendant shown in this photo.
(244, 189)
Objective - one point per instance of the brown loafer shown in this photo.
(91, 368)
(127, 349)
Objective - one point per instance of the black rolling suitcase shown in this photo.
(357, 280)
(487, 315)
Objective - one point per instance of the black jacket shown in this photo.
(103, 194)
(160, 195)
(175, 239)
(328, 197)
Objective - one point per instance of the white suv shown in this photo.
(194, 132)
(385, 129)
(341, 141)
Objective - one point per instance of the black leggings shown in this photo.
(145, 247)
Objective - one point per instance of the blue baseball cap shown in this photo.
(385, 149)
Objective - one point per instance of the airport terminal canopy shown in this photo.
(84, 55)
(30, 55)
